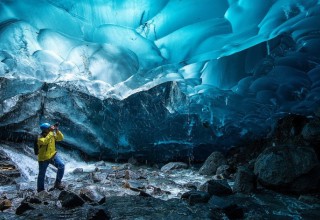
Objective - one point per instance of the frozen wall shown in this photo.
(235, 65)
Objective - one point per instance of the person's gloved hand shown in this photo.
(53, 128)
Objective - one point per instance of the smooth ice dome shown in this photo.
(139, 77)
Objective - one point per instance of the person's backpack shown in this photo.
(35, 146)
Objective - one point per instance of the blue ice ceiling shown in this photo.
(141, 75)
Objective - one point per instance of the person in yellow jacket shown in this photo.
(47, 154)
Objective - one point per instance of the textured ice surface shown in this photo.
(237, 65)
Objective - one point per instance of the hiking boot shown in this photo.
(59, 186)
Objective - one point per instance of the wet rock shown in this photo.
(144, 194)
(156, 191)
(306, 183)
(135, 185)
(126, 166)
(245, 180)
(24, 206)
(192, 186)
(217, 187)
(34, 200)
(210, 166)
(98, 214)
(77, 170)
(70, 199)
(100, 164)
(276, 167)
(224, 171)
(90, 194)
(5, 204)
(174, 166)
(194, 197)
(98, 177)
(127, 174)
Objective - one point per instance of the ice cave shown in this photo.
(228, 86)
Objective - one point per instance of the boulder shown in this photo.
(192, 185)
(245, 181)
(279, 166)
(70, 199)
(144, 194)
(210, 166)
(174, 166)
(307, 183)
(194, 197)
(224, 171)
(217, 187)
(135, 185)
(34, 200)
(100, 164)
(90, 194)
(128, 174)
(97, 176)
(77, 170)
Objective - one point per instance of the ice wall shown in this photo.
(234, 65)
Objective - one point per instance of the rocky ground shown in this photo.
(275, 178)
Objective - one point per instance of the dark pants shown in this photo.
(43, 165)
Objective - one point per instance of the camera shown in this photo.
(56, 124)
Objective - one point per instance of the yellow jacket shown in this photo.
(47, 145)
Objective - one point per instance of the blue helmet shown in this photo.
(44, 126)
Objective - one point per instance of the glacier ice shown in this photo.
(143, 77)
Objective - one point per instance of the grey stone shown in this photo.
(174, 166)
(245, 180)
(279, 166)
(223, 170)
(194, 197)
(77, 170)
(307, 183)
(90, 194)
(210, 166)
(70, 199)
(216, 187)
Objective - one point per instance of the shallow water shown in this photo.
(108, 179)
(172, 182)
